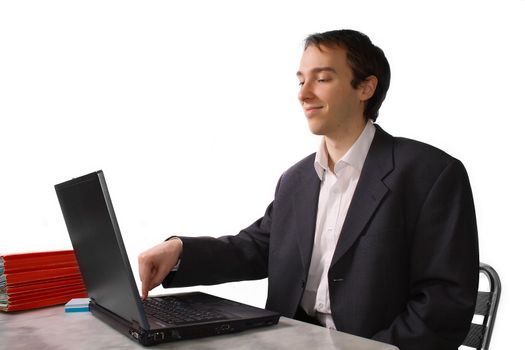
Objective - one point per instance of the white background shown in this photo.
(191, 112)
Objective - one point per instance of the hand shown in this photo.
(155, 263)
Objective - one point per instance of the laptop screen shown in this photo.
(98, 245)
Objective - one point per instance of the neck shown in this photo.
(338, 145)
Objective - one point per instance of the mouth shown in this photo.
(310, 110)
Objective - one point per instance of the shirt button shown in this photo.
(320, 305)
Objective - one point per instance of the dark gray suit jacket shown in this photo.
(405, 269)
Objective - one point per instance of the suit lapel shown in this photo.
(305, 201)
(369, 192)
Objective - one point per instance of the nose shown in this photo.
(305, 92)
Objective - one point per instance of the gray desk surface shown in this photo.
(52, 328)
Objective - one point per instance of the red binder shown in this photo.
(42, 302)
(44, 260)
(32, 280)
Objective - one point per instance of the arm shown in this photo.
(444, 265)
(210, 260)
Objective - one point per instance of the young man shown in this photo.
(372, 235)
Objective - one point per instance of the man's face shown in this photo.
(330, 103)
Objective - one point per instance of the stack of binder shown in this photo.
(33, 280)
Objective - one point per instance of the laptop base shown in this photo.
(165, 335)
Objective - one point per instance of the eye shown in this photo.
(301, 83)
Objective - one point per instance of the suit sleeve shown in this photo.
(208, 260)
(444, 265)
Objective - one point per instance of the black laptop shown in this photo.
(114, 297)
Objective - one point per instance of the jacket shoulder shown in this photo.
(420, 151)
(305, 164)
(300, 174)
(412, 159)
(409, 150)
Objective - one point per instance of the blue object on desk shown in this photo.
(77, 305)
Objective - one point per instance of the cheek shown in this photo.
(324, 95)
(346, 100)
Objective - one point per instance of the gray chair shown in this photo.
(479, 335)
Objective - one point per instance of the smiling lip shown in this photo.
(308, 111)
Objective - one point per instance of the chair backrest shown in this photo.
(486, 306)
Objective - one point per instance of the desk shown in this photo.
(52, 328)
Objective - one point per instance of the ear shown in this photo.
(368, 87)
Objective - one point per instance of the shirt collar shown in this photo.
(354, 157)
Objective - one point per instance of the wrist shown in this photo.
(176, 249)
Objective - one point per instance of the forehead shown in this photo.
(323, 56)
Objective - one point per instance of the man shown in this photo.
(373, 235)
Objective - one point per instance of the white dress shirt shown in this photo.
(337, 190)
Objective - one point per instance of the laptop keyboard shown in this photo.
(173, 311)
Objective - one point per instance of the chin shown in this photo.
(316, 132)
(315, 129)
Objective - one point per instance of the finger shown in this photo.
(146, 272)
(144, 267)
(151, 281)
(146, 283)
(145, 290)
(154, 282)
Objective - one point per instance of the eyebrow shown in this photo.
(318, 70)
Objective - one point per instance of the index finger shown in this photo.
(146, 274)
